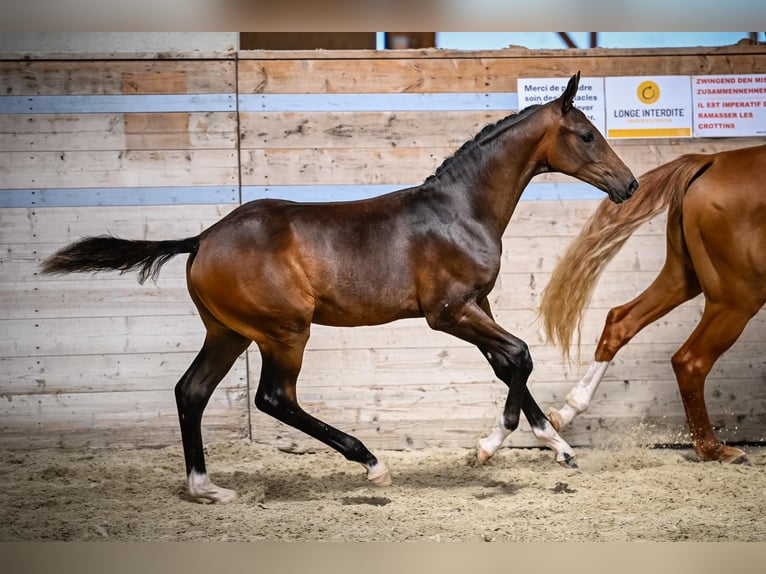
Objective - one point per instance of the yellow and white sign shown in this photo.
(729, 105)
(648, 107)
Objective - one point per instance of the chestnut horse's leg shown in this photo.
(718, 329)
(276, 396)
(675, 284)
(218, 353)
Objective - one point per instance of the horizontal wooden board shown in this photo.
(525, 257)
(168, 333)
(109, 418)
(30, 170)
(411, 165)
(104, 132)
(488, 74)
(20, 78)
(60, 225)
(361, 129)
(101, 373)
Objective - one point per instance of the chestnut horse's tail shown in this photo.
(571, 285)
(107, 253)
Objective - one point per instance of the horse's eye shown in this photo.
(587, 138)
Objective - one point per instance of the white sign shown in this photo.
(730, 105)
(648, 107)
(589, 98)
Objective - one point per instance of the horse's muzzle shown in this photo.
(620, 196)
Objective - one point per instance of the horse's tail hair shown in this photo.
(574, 278)
(108, 253)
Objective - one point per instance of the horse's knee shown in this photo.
(513, 359)
(190, 396)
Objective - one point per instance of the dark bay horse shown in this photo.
(716, 245)
(271, 268)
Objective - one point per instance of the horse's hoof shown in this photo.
(224, 496)
(555, 417)
(568, 461)
(379, 475)
(201, 488)
(736, 458)
(482, 455)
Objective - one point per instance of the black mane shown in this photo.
(487, 134)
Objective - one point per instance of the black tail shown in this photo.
(107, 253)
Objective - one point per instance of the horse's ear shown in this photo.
(567, 98)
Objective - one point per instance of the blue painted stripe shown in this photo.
(118, 196)
(534, 192)
(310, 193)
(377, 102)
(125, 196)
(117, 104)
(145, 103)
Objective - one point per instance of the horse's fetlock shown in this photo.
(510, 422)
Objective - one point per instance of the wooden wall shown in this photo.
(161, 146)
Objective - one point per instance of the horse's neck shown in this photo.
(510, 172)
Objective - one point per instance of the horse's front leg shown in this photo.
(511, 361)
(542, 428)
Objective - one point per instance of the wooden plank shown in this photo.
(31, 170)
(423, 368)
(340, 166)
(485, 74)
(170, 333)
(457, 421)
(45, 230)
(101, 373)
(208, 130)
(300, 130)
(412, 165)
(60, 225)
(21, 78)
(94, 298)
(531, 256)
(449, 54)
(101, 419)
(87, 132)
(429, 129)
(96, 335)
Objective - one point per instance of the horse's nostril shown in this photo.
(632, 187)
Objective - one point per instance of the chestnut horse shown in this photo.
(716, 245)
(270, 269)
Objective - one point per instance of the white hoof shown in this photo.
(484, 450)
(201, 487)
(379, 475)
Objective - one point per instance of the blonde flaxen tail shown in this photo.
(574, 278)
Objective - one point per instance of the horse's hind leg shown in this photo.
(276, 396)
(218, 353)
(675, 284)
(718, 329)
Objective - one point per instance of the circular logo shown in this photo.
(648, 92)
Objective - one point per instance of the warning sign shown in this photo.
(729, 105)
(648, 107)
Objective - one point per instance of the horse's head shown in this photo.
(572, 145)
